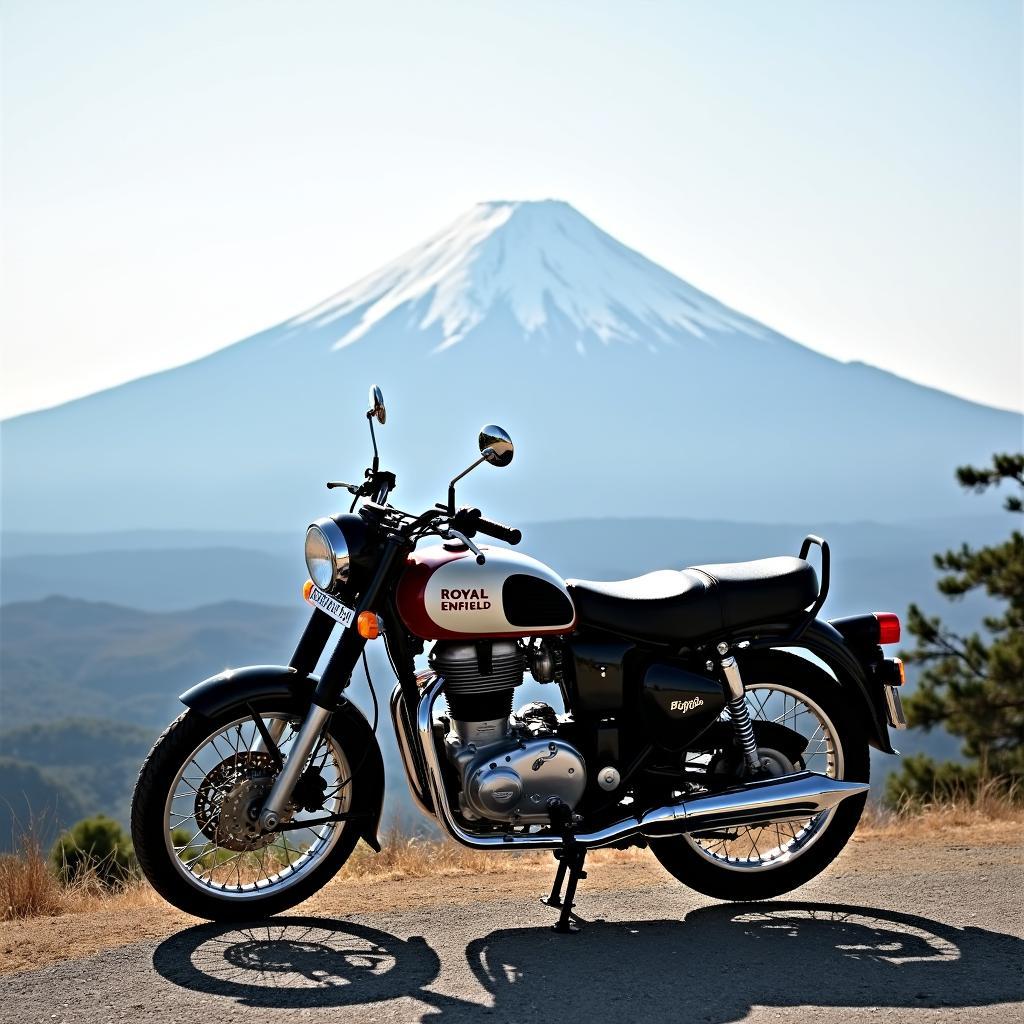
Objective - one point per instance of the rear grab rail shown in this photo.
(812, 540)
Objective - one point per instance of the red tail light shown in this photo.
(888, 627)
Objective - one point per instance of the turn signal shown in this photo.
(888, 627)
(368, 625)
(892, 672)
(307, 589)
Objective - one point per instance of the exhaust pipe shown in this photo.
(789, 798)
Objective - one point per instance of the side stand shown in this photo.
(570, 861)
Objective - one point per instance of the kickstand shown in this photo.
(570, 860)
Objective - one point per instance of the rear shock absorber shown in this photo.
(739, 712)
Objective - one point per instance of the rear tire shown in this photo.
(149, 821)
(697, 871)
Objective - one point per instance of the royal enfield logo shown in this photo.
(687, 705)
(465, 600)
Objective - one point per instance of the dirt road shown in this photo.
(898, 931)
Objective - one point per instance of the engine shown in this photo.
(513, 768)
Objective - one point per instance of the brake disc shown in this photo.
(229, 798)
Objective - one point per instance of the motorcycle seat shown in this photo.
(699, 602)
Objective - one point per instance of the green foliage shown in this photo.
(96, 846)
(973, 685)
(923, 778)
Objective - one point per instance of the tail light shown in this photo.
(888, 627)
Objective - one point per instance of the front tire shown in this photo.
(694, 862)
(199, 776)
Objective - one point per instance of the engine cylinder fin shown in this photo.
(486, 666)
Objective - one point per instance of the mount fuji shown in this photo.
(628, 392)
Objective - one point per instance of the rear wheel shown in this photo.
(758, 862)
(194, 815)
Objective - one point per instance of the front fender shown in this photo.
(825, 642)
(240, 685)
(235, 688)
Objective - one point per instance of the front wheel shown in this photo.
(196, 804)
(762, 861)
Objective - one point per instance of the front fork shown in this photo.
(335, 680)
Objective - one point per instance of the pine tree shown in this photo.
(973, 685)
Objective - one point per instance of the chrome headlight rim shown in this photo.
(338, 557)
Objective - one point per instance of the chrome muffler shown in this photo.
(789, 798)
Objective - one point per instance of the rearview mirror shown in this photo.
(377, 410)
(496, 446)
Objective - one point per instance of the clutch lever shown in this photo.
(453, 534)
(351, 488)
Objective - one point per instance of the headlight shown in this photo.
(327, 555)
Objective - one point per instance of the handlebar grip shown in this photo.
(498, 531)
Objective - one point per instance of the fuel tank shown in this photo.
(445, 595)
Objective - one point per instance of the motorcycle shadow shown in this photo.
(714, 965)
(722, 960)
(300, 962)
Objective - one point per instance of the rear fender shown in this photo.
(234, 688)
(826, 643)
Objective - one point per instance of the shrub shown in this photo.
(96, 846)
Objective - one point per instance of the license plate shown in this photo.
(337, 611)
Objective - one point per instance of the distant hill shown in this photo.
(96, 760)
(88, 686)
(31, 798)
(65, 656)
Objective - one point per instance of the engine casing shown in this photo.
(516, 777)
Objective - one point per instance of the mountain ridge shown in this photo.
(717, 415)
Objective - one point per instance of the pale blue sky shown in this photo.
(178, 176)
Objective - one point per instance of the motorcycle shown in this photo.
(689, 725)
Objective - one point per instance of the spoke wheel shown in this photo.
(805, 711)
(762, 847)
(197, 800)
(213, 805)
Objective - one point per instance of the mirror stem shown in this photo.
(451, 486)
(373, 438)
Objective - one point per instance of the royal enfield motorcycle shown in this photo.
(685, 716)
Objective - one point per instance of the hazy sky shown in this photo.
(177, 176)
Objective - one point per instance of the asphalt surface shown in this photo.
(899, 945)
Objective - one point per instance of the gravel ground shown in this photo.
(896, 930)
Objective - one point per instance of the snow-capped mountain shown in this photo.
(627, 391)
(547, 264)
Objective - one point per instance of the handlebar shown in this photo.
(509, 534)
(471, 521)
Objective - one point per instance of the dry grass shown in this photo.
(989, 809)
(29, 887)
(405, 856)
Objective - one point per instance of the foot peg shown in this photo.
(570, 861)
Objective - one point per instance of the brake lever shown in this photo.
(351, 488)
(453, 534)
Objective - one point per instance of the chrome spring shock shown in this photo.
(740, 714)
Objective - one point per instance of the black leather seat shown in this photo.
(699, 602)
